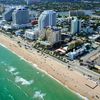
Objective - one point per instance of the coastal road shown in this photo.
(95, 76)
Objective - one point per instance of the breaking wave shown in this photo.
(23, 81)
(39, 95)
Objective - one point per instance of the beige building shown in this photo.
(53, 36)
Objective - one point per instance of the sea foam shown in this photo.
(23, 81)
(11, 69)
(39, 95)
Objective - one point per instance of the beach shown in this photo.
(69, 78)
(21, 80)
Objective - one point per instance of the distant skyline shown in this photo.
(23, 1)
(52, 0)
(32, 0)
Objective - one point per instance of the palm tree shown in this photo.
(68, 67)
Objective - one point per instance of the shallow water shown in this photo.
(20, 81)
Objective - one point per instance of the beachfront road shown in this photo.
(93, 75)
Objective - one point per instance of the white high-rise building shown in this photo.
(47, 19)
(20, 16)
(75, 26)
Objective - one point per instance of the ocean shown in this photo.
(19, 80)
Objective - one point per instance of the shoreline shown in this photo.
(36, 66)
(13, 46)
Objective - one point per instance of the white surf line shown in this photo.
(83, 97)
(34, 65)
(19, 79)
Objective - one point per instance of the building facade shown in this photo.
(75, 54)
(75, 26)
(46, 19)
(20, 16)
(31, 34)
(53, 36)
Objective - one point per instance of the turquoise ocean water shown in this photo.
(20, 81)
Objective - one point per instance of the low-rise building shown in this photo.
(95, 16)
(94, 37)
(7, 27)
(19, 32)
(31, 34)
(76, 13)
(23, 26)
(88, 30)
(73, 55)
